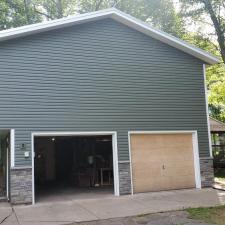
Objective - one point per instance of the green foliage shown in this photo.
(14, 13)
(159, 13)
(212, 215)
(55, 9)
(210, 12)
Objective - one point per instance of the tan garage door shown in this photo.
(162, 162)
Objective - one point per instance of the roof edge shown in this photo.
(166, 38)
(217, 121)
(119, 16)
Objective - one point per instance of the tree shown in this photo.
(201, 10)
(159, 13)
(55, 9)
(14, 13)
(210, 13)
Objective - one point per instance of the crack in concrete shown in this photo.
(17, 219)
(4, 219)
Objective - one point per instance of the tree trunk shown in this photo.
(59, 9)
(218, 27)
(26, 11)
(98, 4)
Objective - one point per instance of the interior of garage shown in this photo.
(73, 167)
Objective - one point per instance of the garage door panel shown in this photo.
(139, 156)
(143, 174)
(180, 171)
(144, 184)
(182, 166)
(162, 162)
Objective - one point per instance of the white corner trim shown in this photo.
(131, 169)
(115, 165)
(32, 161)
(75, 133)
(207, 111)
(196, 160)
(195, 152)
(7, 173)
(12, 148)
(118, 16)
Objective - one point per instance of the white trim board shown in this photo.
(118, 16)
(10, 156)
(207, 112)
(93, 133)
(12, 148)
(195, 151)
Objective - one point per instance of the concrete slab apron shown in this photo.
(95, 209)
(52, 213)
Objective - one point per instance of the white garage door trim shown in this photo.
(92, 133)
(195, 151)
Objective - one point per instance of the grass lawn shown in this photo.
(215, 215)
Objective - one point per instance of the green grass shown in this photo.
(215, 215)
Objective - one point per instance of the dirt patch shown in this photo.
(168, 218)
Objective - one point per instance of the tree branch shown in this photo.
(218, 27)
(43, 14)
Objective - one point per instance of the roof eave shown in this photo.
(118, 16)
(165, 38)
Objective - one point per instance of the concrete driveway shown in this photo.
(67, 212)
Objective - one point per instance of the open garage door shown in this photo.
(162, 162)
(70, 166)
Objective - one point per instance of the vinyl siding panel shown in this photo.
(100, 76)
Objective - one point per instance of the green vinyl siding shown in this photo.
(99, 76)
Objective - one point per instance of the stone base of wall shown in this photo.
(21, 180)
(207, 172)
(124, 178)
(21, 185)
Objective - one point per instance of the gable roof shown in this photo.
(118, 16)
(216, 125)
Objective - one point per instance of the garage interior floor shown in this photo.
(69, 193)
(73, 167)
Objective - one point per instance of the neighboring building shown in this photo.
(102, 99)
(217, 129)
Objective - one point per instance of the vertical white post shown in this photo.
(7, 172)
(115, 165)
(196, 160)
(32, 155)
(12, 148)
(131, 169)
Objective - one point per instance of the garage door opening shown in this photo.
(73, 167)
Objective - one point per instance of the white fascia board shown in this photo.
(165, 37)
(53, 24)
(118, 16)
